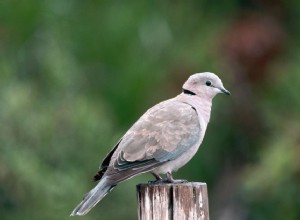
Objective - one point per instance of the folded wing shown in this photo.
(162, 134)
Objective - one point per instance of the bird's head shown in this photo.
(204, 85)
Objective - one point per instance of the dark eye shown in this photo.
(208, 83)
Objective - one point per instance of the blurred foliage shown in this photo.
(74, 75)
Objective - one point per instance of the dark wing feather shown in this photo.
(105, 163)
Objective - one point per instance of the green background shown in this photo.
(75, 75)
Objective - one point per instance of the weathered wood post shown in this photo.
(180, 201)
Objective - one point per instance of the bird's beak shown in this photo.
(225, 91)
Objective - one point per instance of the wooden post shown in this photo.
(180, 201)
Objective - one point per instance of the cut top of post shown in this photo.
(182, 201)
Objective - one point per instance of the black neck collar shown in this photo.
(188, 92)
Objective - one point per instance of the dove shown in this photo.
(161, 141)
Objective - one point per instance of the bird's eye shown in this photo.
(208, 83)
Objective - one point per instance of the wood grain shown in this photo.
(183, 201)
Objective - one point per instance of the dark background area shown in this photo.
(75, 75)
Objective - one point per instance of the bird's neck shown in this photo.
(201, 104)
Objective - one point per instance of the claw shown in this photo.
(170, 179)
(157, 181)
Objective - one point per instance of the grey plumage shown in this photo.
(164, 139)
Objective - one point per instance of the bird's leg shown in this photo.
(170, 179)
(158, 178)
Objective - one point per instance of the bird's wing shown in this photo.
(105, 163)
(162, 134)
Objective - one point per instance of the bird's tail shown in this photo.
(93, 197)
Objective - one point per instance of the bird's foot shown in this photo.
(158, 181)
(170, 179)
(177, 181)
(166, 180)
(158, 178)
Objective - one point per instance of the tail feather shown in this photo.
(93, 197)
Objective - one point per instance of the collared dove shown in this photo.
(163, 140)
